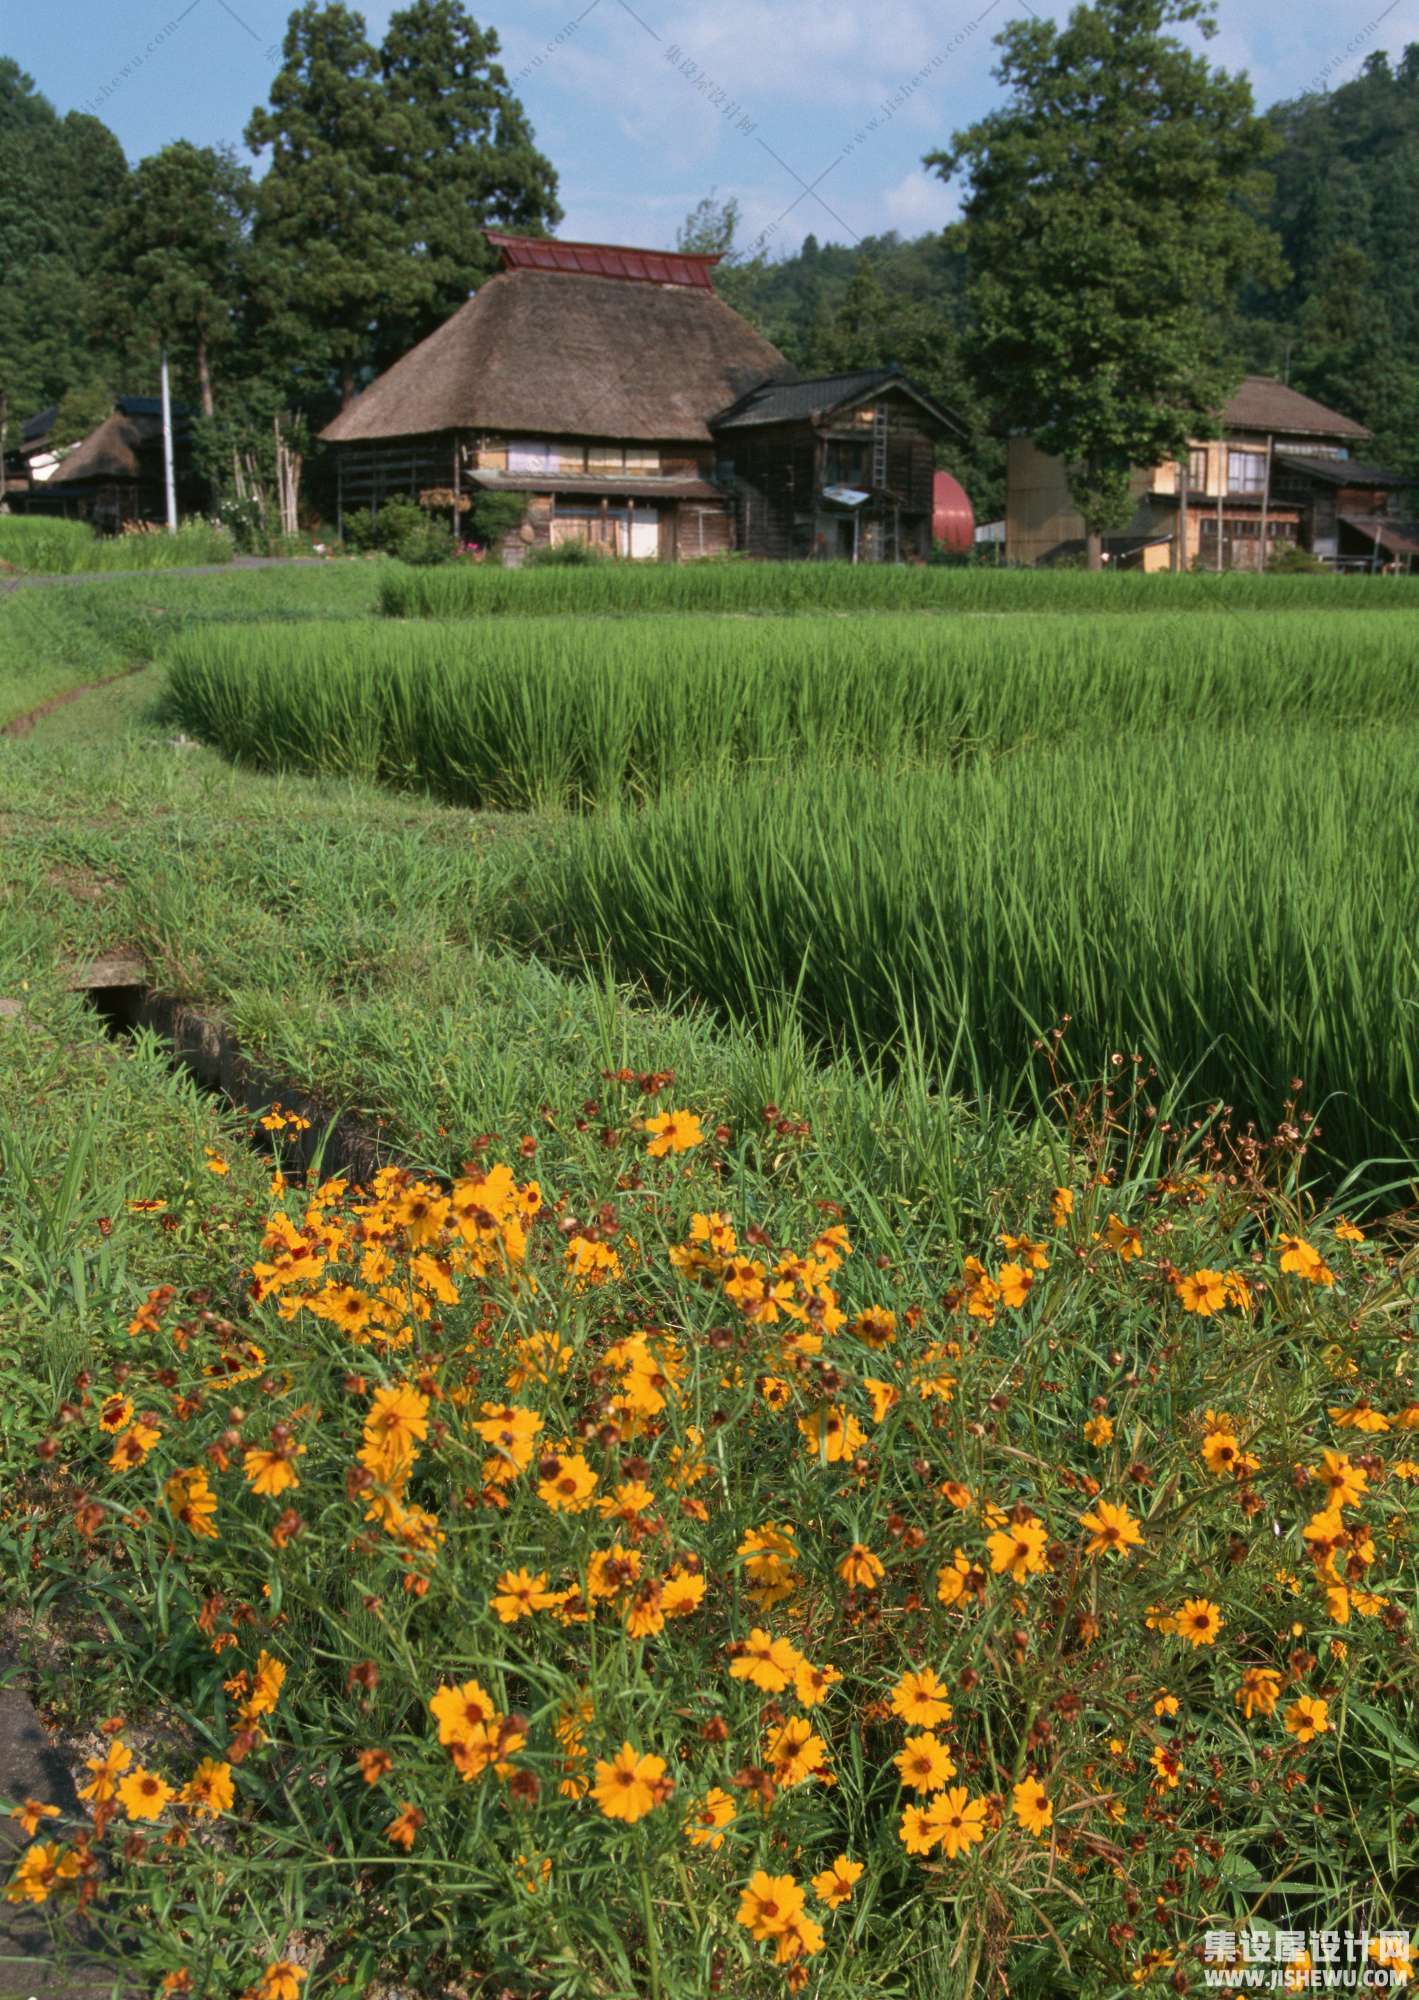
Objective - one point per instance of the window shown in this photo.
(1197, 468)
(846, 464)
(1246, 471)
(642, 461)
(531, 455)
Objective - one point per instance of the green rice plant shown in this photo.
(1240, 902)
(555, 711)
(470, 590)
(41, 547)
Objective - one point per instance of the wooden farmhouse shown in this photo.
(628, 406)
(1281, 471)
(113, 478)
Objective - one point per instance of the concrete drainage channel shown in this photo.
(116, 986)
(117, 989)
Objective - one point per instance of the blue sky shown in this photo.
(645, 105)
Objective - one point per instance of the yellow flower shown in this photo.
(832, 1434)
(1062, 1206)
(1204, 1292)
(925, 1763)
(567, 1483)
(1030, 1804)
(210, 1790)
(461, 1711)
(1098, 1432)
(1168, 1764)
(1019, 1551)
(1259, 1692)
(40, 1871)
(1123, 1238)
(1111, 1530)
(519, 1594)
(957, 1821)
(769, 1663)
(191, 1499)
(1344, 1482)
(1198, 1621)
(1346, 1232)
(708, 1819)
(630, 1786)
(107, 1770)
(1305, 1261)
(29, 1815)
(269, 1470)
(919, 1698)
(795, 1753)
(915, 1830)
(1224, 1455)
(860, 1567)
(1307, 1718)
(143, 1794)
(281, 1981)
(770, 1904)
(673, 1132)
(267, 1682)
(811, 1684)
(835, 1885)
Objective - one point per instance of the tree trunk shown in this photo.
(347, 386)
(1093, 548)
(204, 377)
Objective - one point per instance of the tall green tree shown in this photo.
(465, 156)
(330, 255)
(60, 177)
(174, 261)
(1113, 209)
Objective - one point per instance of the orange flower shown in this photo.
(144, 1795)
(769, 1663)
(705, 1826)
(404, 1826)
(835, 1885)
(1030, 1804)
(920, 1699)
(860, 1567)
(1307, 1718)
(673, 1132)
(1112, 1530)
(1198, 1621)
(374, 1765)
(1019, 1550)
(630, 1785)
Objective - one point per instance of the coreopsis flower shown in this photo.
(192, 1500)
(630, 1785)
(794, 1753)
(672, 1132)
(1259, 1692)
(769, 1663)
(1122, 1238)
(1112, 1530)
(461, 1711)
(1030, 1803)
(1099, 1431)
(1203, 1292)
(832, 1434)
(519, 1594)
(40, 1871)
(915, 1830)
(115, 1413)
(144, 1795)
(1167, 1762)
(800, 1937)
(567, 1483)
(1015, 1284)
(1223, 1454)
(835, 1885)
(591, 1262)
(30, 1813)
(1346, 1232)
(1198, 1621)
(1343, 1481)
(210, 1791)
(1307, 1718)
(811, 1684)
(1034, 1256)
(1305, 1261)
(708, 1819)
(1019, 1550)
(957, 1821)
(403, 1829)
(925, 1763)
(374, 1765)
(134, 1445)
(919, 1698)
(769, 1904)
(511, 1432)
(957, 1577)
(861, 1568)
(281, 1981)
(398, 1420)
(266, 1684)
(107, 1771)
(269, 1470)
(1359, 1416)
(1061, 1206)
(884, 1396)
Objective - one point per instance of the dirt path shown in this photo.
(22, 725)
(237, 563)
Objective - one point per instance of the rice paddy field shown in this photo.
(859, 1439)
(38, 546)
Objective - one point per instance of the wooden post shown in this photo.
(630, 526)
(1184, 474)
(339, 492)
(1221, 495)
(457, 493)
(1266, 495)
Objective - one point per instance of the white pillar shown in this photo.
(168, 479)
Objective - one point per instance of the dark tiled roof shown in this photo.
(789, 402)
(1339, 471)
(1263, 404)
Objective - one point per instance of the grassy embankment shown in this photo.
(36, 546)
(1206, 1722)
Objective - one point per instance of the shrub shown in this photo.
(567, 555)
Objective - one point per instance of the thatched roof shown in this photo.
(110, 452)
(562, 354)
(1263, 404)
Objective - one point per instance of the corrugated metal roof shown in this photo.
(604, 260)
(1401, 538)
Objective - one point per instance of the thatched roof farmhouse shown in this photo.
(608, 386)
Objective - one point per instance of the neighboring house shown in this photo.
(1281, 471)
(114, 476)
(615, 393)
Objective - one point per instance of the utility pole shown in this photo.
(168, 479)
